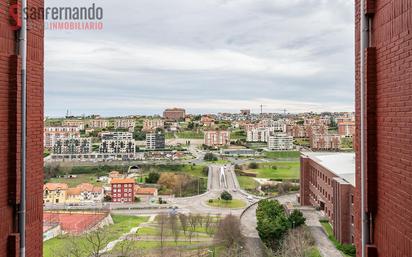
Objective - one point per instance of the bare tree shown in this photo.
(97, 241)
(183, 222)
(296, 243)
(126, 249)
(174, 227)
(192, 220)
(229, 233)
(208, 220)
(162, 224)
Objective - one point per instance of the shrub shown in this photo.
(210, 200)
(209, 157)
(137, 199)
(253, 165)
(153, 178)
(296, 219)
(226, 196)
(348, 249)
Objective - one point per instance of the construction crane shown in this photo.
(261, 109)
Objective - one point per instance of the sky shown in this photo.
(206, 56)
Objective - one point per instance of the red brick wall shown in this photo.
(9, 139)
(389, 127)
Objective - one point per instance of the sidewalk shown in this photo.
(325, 246)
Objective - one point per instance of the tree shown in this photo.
(225, 195)
(152, 178)
(297, 243)
(192, 220)
(229, 233)
(272, 223)
(210, 157)
(161, 223)
(97, 240)
(183, 222)
(296, 219)
(174, 227)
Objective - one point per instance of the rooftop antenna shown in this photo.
(261, 109)
(284, 112)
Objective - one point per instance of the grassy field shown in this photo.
(247, 183)
(81, 178)
(122, 224)
(313, 252)
(235, 203)
(190, 135)
(194, 170)
(282, 154)
(277, 170)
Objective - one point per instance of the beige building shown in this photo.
(153, 124)
(98, 123)
(280, 142)
(74, 123)
(54, 193)
(124, 123)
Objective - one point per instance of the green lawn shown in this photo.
(190, 135)
(122, 224)
(235, 203)
(277, 170)
(247, 183)
(81, 178)
(282, 154)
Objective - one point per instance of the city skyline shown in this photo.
(209, 57)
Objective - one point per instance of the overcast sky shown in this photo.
(206, 56)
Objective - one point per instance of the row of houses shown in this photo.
(121, 190)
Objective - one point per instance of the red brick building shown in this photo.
(388, 129)
(327, 181)
(122, 189)
(10, 110)
(216, 138)
(325, 142)
(174, 114)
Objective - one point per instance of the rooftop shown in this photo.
(341, 164)
(122, 181)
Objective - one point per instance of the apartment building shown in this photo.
(51, 134)
(124, 123)
(153, 124)
(280, 142)
(387, 170)
(296, 131)
(276, 125)
(317, 121)
(327, 181)
(74, 123)
(325, 142)
(72, 146)
(155, 141)
(259, 134)
(174, 114)
(98, 123)
(60, 193)
(122, 190)
(346, 128)
(117, 144)
(217, 138)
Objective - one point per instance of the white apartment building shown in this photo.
(117, 143)
(276, 125)
(280, 142)
(155, 140)
(124, 123)
(259, 134)
(51, 134)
